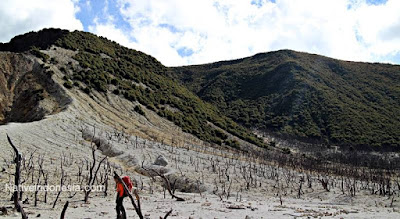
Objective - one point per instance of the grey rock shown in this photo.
(161, 161)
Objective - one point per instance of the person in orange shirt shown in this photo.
(121, 194)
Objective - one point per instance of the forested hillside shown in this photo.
(307, 96)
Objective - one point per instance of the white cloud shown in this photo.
(226, 29)
(379, 27)
(213, 30)
(19, 16)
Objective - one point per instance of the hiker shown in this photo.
(121, 194)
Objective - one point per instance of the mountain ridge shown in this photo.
(272, 90)
(105, 67)
(286, 93)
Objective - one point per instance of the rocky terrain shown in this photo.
(27, 94)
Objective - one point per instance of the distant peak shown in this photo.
(41, 39)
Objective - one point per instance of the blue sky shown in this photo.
(100, 10)
(376, 2)
(182, 32)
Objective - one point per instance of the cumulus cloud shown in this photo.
(19, 16)
(379, 27)
(180, 32)
(110, 31)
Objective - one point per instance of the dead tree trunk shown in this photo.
(92, 171)
(299, 192)
(62, 180)
(168, 185)
(167, 214)
(37, 190)
(17, 161)
(64, 210)
(92, 174)
(324, 183)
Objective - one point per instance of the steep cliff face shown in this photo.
(27, 92)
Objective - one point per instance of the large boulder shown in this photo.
(129, 160)
(153, 170)
(105, 146)
(161, 161)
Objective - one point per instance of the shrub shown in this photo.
(286, 151)
(116, 92)
(233, 143)
(36, 52)
(87, 90)
(68, 84)
(139, 110)
(220, 134)
(50, 72)
(115, 82)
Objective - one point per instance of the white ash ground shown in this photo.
(57, 135)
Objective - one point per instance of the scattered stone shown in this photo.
(161, 161)
(206, 204)
(3, 211)
(236, 207)
(38, 215)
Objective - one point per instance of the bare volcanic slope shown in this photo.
(302, 95)
(27, 92)
(95, 67)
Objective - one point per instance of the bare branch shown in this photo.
(64, 210)
(17, 161)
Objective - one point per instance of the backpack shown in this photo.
(128, 182)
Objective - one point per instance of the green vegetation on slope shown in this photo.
(109, 67)
(303, 95)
